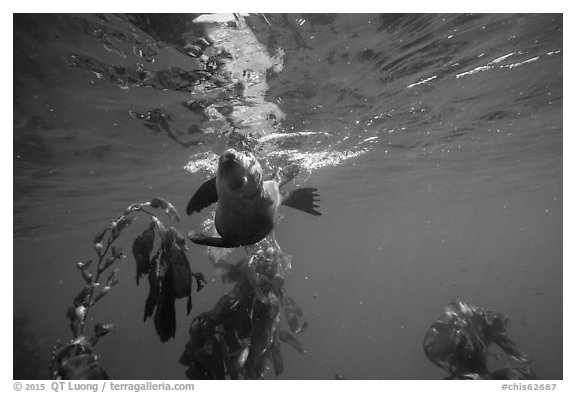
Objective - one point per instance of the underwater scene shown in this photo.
(287, 196)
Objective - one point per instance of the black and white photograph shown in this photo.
(287, 196)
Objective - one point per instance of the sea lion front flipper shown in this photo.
(200, 238)
(204, 197)
(302, 199)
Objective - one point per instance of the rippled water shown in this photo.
(435, 142)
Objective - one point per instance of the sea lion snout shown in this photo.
(229, 157)
(232, 158)
(243, 158)
(229, 154)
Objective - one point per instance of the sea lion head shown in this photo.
(239, 173)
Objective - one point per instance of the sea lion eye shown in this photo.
(238, 183)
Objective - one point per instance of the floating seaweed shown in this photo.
(242, 332)
(76, 360)
(168, 272)
(459, 340)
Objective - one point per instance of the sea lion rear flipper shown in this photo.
(200, 238)
(302, 199)
(204, 197)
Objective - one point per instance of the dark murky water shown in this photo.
(435, 142)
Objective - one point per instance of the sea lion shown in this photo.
(247, 206)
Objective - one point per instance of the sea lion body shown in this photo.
(246, 214)
(247, 206)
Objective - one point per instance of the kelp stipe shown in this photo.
(235, 339)
(168, 272)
